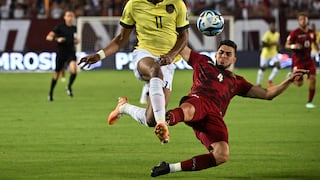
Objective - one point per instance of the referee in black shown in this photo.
(65, 36)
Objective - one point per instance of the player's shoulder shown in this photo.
(176, 3)
(297, 30)
(237, 76)
(268, 34)
(59, 27)
(199, 58)
(196, 54)
(294, 32)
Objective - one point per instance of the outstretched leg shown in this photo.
(219, 154)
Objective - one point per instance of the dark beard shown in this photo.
(221, 67)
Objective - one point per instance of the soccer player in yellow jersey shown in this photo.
(314, 48)
(269, 53)
(162, 32)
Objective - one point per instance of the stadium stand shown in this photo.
(23, 9)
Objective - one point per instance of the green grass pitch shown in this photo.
(70, 139)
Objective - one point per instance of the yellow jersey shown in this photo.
(271, 51)
(313, 46)
(157, 25)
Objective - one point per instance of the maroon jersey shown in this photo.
(216, 84)
(305, 39)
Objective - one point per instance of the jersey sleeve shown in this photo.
(56, 29)
(182, 18)
(127, 20)
(314, 40)
(194, 56)
(197, 58)
(265, 37)
(291, 37)
(243, 86)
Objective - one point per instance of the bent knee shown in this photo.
(220, 152)
(221, 158)
(151, 124)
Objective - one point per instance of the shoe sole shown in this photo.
(115, 114)
(162, 132)
(162, 169)
(310, 107)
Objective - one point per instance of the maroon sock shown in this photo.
(311, 94)
(174, 116)
(199, 162)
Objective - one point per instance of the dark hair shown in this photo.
(68, 10)
(228, 43)
(305, 14)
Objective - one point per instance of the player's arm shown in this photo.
(115, 44)
(316, 42)
(76, 40)
(185, 53)
(181, 42)
(273, 91)
(291, 45)
(268, 44)
(265, 44)
(52, 37)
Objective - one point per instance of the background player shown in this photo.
(270, 41)
(64, 35)
(299, 41)
(205, 106)
(162, 32)
(314, 48)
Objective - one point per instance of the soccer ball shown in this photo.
(210, 22)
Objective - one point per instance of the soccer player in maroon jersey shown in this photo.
(299, 41)
(204, 107)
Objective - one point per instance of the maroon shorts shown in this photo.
(207, 123)
(309, 65)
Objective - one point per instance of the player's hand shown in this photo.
(76, 41)
(60, 39)
(297, 74)
(88, 60)
(165, 59)
(296, 46)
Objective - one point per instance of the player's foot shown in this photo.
(310, 105)
(143, 99)
(288, 74)
(50, 98)
(269, 83)
(162, 169)
(162, 132)
(63, 79)
(69, 91)
(114, 116)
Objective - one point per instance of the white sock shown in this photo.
(273, 73)
(175, 167)
(143, 97)
(137, 113)
(259, 76)
(157, 99)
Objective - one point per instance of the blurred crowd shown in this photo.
(19, 9)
